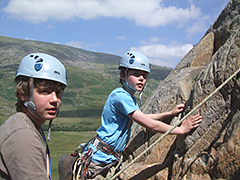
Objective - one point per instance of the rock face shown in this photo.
(212, 150)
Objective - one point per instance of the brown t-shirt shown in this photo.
(23, 149)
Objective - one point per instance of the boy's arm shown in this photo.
(160, 127)
(176, 110)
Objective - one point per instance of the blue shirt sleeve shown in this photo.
(125, 103)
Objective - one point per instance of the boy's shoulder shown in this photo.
(119, 90)
(15, 122)
(119, 93)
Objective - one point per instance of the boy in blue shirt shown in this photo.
(119, 112)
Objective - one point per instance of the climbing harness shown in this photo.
(178, 123)
(81, 170)
(81, 166)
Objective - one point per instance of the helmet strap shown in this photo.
(30, 104)
(49, 129)
(131, 89)
(140, 96)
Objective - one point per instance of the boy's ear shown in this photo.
(122, 76)
(24, 97)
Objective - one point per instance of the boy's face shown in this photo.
(137, 79)
(47, 100)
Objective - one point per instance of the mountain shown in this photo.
(91, 77)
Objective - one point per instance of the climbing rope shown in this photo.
(179, 122)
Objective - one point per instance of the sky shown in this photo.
(164, 30)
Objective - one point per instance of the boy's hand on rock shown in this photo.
(177, 109)
(191, 123)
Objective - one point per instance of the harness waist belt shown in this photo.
(104, 147)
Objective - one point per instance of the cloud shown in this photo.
(198, 27)
(30, 39)
(50, 26)
(163, 62)
(145, 13)
(164, 55)
(164, 51)
(78, 44)
(154, 39)
(75, 44)
(120, 37)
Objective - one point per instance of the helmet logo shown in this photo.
(131, 61)
(38, 66)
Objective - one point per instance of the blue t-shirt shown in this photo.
(116, 126)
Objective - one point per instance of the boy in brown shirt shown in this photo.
(40, 79)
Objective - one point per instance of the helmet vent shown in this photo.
(131, 55)
(39, 60)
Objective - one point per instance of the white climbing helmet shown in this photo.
(43, 66)
(135, 60)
